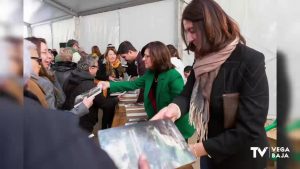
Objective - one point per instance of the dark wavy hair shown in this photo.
(160, 56)
(212, 24)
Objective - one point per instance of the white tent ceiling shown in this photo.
(39, 11)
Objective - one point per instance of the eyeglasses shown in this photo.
(39, 60)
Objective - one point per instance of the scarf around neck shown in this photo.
(116, 63)
(206, 69)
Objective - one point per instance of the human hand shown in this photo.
(198, 149)
(143, 162)
(171, 112)
(104, 85)
(111, 78)
(88, 101)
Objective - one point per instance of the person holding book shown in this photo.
(40, 83)
(161, 81)
(80, 81)
(226, 93)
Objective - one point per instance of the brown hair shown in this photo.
(212, 24)
(37, 42)
(173, 51)
(160, 56)
(108, 66)
(112, 49)
(95, 49)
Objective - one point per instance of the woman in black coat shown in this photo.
(226, 94)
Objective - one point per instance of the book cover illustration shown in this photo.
(160, 141)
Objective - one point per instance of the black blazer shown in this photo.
(244, 73)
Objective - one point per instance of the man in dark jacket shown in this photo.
(63, 68)
(81, 80)
(128, 52)
(62, 71)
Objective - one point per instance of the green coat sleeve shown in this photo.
(128, 85)
(183, 122)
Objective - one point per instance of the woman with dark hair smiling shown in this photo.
(54, 95)
(161, 83)
(226, 94)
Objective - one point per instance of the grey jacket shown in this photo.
(48, 88)
(80, 110)
(51, 98)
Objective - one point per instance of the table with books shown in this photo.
(128, 111)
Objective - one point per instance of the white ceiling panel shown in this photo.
(36, 11)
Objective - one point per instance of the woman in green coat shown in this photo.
(162, 83)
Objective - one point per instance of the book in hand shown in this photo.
(92, 92)
(160, 141)
(126, 78)
(117, 93)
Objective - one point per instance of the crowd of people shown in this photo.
(57, 80)
(195, 97)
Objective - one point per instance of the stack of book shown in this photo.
(128, 97)
(135, 113)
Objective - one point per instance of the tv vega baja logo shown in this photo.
(273, 152)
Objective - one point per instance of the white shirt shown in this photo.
(178, 66)
(76, 57)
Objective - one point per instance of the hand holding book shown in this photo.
(89, 95)
(88, 101)
(171, 112)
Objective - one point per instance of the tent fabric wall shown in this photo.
(116, 26)
(130, 24)
(43, 31)
(288, 45)
(99, 29)
(25, 31)
(62, 31)
(151, 22)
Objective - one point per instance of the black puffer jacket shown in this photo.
(63, 70)
(78, 83)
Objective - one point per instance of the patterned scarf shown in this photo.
(206, 69)
(116, 63)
